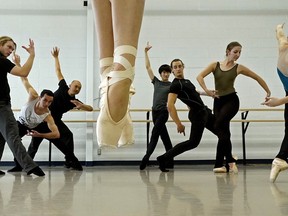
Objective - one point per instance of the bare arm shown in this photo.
(273, 101)
(200, 78)
(247, 72)
(147, 62)
(30, 90)
(54, 134)
(173, 112)
(24, 70)
(82, 106)
(55, 54)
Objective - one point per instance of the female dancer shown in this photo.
(226, 101)
(118, 25)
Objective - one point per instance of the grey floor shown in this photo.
(126, 191)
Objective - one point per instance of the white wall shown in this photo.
(195, 31)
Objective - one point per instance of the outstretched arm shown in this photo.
(54, 134)
(273, 101)
(247, 72)
(55, 54)
(147, 62)
(29, 88)
(173, 112)
(24, 70)
(81, 106)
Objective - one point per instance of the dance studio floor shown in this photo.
(126, 191)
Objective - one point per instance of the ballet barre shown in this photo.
(244, 120)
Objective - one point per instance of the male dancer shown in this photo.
(8, 126)
(159, 109)
(64, 100)
(200, 115)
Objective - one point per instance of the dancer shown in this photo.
(159, 109)
(8, 125)
(34, 112)
(199, 115)
(280, 161)
(64, 101)
(226, 101)
(118, 25)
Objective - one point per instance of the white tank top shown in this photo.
(28, 117)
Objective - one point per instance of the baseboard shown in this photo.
(136, 163)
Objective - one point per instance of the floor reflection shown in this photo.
(159, 200)
(25, 196)
(280, 194)
(62, 201)
(226, 184)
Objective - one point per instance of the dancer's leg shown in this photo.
(127, 19)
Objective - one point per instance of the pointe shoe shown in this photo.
(232, 166)
(220, 169)
(278, 165)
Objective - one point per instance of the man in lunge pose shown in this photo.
(200, 115)
(64, 100)
(33, 113)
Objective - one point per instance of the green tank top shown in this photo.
(224, 80)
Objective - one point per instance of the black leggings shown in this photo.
(283, 153)
(160, 118)
(200, 119)
(225, 108)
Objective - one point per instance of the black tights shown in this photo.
(200, 119)
(225, 108)
(283, 153)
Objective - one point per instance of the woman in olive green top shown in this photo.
(226, 101)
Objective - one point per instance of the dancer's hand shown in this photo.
(181, 128)
(16, 59)
(30, 49)
(212, 93)
(272, 101)
(148, 47)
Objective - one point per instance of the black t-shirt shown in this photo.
(5, 67)
(61, 102)
(187, 93)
